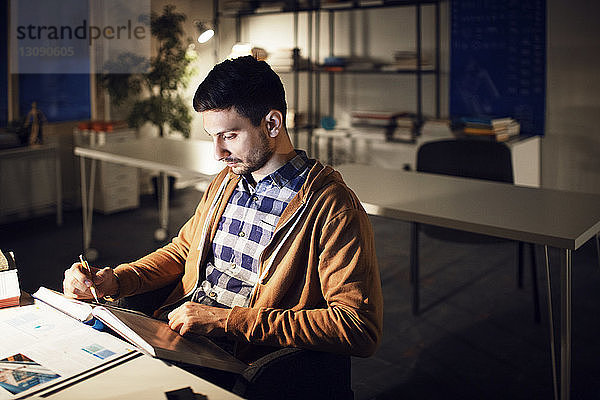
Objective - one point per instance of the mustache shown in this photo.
(230, 160)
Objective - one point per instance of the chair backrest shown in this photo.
(469, 158)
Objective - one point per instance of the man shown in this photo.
(279, 251)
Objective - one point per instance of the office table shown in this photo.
(560, 219)
(141, 377)
(168, 156)
(88, 364)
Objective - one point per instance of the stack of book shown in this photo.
(406, 61)
(233, 7)
(436, 128)
(397, 126)
(285, 59)
(10, 292)
(501, 129)
(270, 7)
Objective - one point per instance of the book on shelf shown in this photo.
(437, 127)
(392, 133)
(367, 3)
(287, 59)
(407, 60)
(270, 7)
(499, 128)
(336, 4)
(233, 7)
(402, 134)
(509, 131)
(372, 116)
(406, 66)
(487, 121)
(150, 335)
(10, 291)
(384, 119)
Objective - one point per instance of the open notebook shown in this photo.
(150, 335)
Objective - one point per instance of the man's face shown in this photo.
(245, 148)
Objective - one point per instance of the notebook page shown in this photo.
(104, 315)
(76, 309)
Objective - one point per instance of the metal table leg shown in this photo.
(414, 266)
(163, 207)
(565, 325)
(551, 323)
(87, 207)
(59, 209)
(598, 247)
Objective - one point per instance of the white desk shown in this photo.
(88, 364)
(143, 377)
(164, 155)
(560, 219)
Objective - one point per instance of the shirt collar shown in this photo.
(285, 173)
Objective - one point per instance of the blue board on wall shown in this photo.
(498, 61)
(56, 82)
(61, 97)
(3, 69)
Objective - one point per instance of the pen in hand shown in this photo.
(85, 265)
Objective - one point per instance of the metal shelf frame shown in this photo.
(314, 73)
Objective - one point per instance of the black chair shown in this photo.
(469, 158)
(287, 373)
(292, 373)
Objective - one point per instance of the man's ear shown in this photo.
(274, 120)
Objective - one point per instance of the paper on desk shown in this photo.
(56, 343)
(19, 373)
(9, 284)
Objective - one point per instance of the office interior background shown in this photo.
(456, 349)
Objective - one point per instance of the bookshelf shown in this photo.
(319, 83)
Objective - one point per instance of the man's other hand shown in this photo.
(77, 282)
(198, 318)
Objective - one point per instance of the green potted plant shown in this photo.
(156, 96)
(157, 93)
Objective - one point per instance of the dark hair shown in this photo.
(250, 86)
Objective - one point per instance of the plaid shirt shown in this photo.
(244, 231)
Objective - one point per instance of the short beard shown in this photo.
(257, 158)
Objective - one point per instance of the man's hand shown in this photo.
(197, 318)
(77, 282)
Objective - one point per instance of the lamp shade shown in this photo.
(205, 32)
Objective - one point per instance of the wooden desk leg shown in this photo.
(565, 325)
